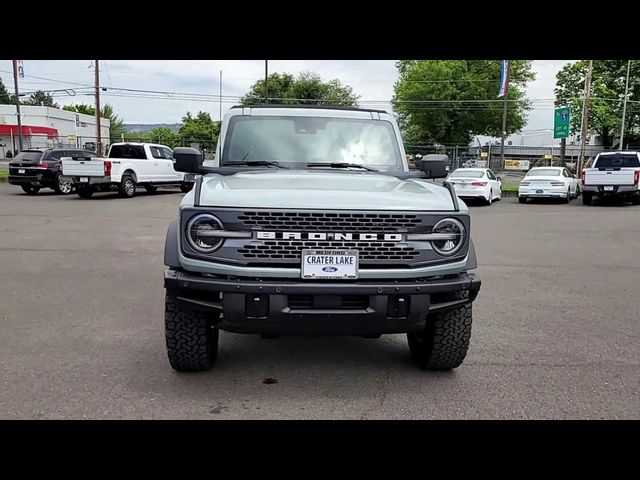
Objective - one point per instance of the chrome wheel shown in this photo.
(129, 188)
(64, 187)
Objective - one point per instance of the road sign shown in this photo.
(516, 164)
(484, 154)
(71, 138)
(561, 122)
(547, 156)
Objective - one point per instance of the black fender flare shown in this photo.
(472, 261)
(171, 258)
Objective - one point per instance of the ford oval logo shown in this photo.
(329, 269)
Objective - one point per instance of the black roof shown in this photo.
(323, 107)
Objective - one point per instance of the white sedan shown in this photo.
(548, 182)
(476, 183)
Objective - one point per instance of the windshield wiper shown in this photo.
(255, 163)
(341, 165)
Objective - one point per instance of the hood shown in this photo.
(322, 190)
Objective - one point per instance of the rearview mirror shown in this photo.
(187, 159)
(434, 168)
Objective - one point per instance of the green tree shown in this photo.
(41, 98)
(200, 129)
(607, 95)
(307, 88)
(5, 97)
(164, 136)
(450, 101)
(117, 124)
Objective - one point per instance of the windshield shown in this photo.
(467, 174)
(296, 142)
(544, 172)
(618, 160)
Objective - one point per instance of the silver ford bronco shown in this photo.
(310, 222)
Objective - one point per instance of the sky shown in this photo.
(373, 80)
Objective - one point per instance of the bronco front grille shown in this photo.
(291, 249)
(326, 221)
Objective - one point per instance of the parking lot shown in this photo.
(556, 325)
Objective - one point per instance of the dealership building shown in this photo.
(47, 127)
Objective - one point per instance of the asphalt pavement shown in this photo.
(556, 330)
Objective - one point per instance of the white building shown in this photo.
(46, 127)
(533, 138)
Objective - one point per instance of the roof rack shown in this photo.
(322, 107)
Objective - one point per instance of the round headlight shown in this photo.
(199, 231)
(451, 245)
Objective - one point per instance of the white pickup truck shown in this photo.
(613, 174)
(128, 166)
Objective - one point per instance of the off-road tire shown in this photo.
(151, 188)
(127, 187)
(444, 342)
(586, 198)
(30, 189)
(192, 339)
(522, 199)
(85, 192)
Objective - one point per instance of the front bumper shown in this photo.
(294, 307)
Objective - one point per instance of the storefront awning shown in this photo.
(28, 130)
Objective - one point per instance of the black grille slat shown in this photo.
(369, 250)
(342, 222)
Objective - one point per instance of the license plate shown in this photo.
(84, 179)
(608, 188)
(22, 170)
(539, 191)
(330, 264)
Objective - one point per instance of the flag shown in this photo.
(504, 78)
(20, 69)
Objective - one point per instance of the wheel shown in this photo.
(635, 200)
(186, 187)
(63, 187)
(586, 198)
(567, 199)
(444, 342)
(500, 196)
(192, 338)
(30, 189)
(490, 199)
(522, 199)
(127, 186)
(151, 188)
(85, 192)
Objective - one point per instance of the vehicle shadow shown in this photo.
(113, 195)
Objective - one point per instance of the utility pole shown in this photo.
(624, 108)
(563, 149)
(504, 117)
(98, 129)
(585, 116)
(221, 95)
(266, 81)
(15, 82)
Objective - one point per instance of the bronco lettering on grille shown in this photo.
(387, 237)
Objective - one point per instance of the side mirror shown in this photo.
(499, 179)
(187, 159)
(434, 168)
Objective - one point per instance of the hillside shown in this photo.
(147, 127)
